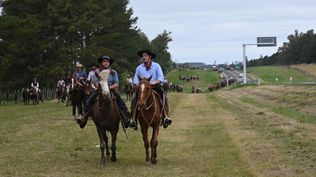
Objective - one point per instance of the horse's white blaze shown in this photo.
(104, 75)
(142, 87)
(72, 83)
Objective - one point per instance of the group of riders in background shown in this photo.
(33, 93)
(87, 84)
(96, 94)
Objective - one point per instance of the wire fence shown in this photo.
(16, 96)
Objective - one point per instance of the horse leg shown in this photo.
(144, 129)
(74, 110)
(102, 145)
(106, 144)
(113, 146)
(79, 106)
(154, 144)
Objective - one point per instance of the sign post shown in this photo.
(261, 42)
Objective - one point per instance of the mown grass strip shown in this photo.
(300, 116)
(293, 144)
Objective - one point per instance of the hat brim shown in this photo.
(101, 59)
(141, 52)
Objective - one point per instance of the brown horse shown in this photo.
(129, 90)
(26, 95)
(106, 117)
(77, 96)
(149, 109)
(61, 93)
(67, 94)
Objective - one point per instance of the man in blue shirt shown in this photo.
(80, 73)
(113, 81)
(146, 69)
(92, 77)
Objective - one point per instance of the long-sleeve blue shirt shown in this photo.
(81, 74)
(155, 71)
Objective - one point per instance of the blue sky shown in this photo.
(209, 30)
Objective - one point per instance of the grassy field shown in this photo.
(268, 74)
(206, 77)
(248, 131)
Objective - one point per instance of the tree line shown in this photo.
(300, 48)
(45, 38)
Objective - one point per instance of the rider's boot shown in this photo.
(166, 121)
(133, 123)
(125, 114)
(83, 122)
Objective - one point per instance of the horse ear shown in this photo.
(139, 78)
(149, 79)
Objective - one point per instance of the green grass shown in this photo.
(291, 113)
(268, 74)
(206, 77)
(43, 140)
(293, 146)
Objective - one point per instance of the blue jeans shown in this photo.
(90, 102)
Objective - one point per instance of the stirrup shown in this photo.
(166, 122)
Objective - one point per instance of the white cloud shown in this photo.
(205, 30)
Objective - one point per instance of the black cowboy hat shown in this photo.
(141, 52)
(104, 57)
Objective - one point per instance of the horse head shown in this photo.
(103, 85)
(144, 89)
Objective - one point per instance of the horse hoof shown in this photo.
(153, 161)
(102, 163)
(113, 159)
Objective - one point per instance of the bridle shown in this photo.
(148, 107)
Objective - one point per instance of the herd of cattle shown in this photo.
(221, 84)
(173, 87)
(223, 81)
(189, 78)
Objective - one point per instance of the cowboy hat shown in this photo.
(141, 52)
(78, 65)
(104, 57)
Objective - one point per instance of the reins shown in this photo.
(147, 108)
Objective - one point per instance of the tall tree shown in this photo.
(160, 47)
(45, 38)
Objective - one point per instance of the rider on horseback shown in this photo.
(68, 79)
(92, 77)
(129, 80)
(113, 80)
(80, 73)
(35, 84)
(147, 69)
(61, 82)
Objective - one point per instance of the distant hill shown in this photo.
(194, 65)
(206, 77)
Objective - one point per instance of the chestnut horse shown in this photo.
(149, 109)
(106, 116)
